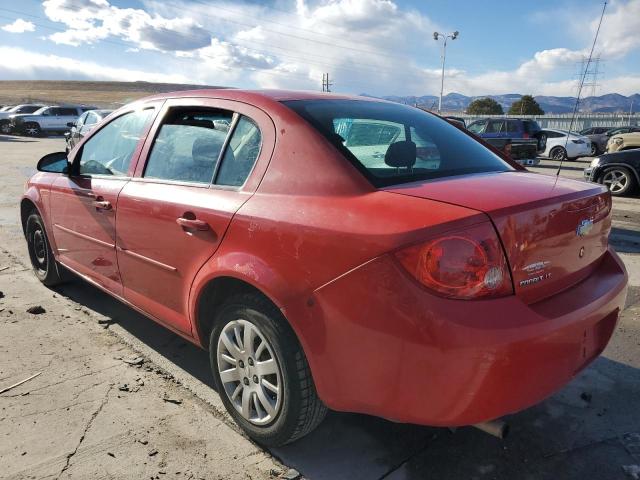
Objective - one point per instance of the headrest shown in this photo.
(207, 148)
(401, 154)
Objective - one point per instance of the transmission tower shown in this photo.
(592, 72)
(326, 84)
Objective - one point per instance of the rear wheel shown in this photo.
(619, 180)
(42, 260)
(5, 127)
(558, 153)
(594, 149)
(261, 372)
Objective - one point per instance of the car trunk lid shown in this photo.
(554, 230)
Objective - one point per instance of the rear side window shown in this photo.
(531, 126)
(29, 109)
(512, 126)
(241, 153)
(66, 112)
(188, 146)
(110, 150)
(422, 146)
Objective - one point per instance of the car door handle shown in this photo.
(192, 224)
(102, 204)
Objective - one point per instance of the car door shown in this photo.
(63, 116)
(84, 203)
(45, 118)
(175, 212)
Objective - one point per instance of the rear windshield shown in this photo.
(392, 143)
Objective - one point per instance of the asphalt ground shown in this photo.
(75, 421)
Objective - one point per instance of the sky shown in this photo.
(379, 47)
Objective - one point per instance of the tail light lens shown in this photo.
(526, 135)
(466, 264)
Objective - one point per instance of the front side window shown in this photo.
(110, 150)
(90, 119)
(477, 127)
(495, 126)
(423, 147)
(241, 153)
(188, 145)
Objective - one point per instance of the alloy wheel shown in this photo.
(5, 128)
(616, 180)
(249, 372)
(558, 153)
(32, 131)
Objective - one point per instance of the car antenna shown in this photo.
(584, 75)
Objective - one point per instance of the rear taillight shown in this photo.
(464, 264)
(526, 135)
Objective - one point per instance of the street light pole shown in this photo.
(436, 37)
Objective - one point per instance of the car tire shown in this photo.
(542, 141)
(5, 127)
(31, 129)
(558, 154)
(619, 180)
(44, 264)
(594, 149)
(292, 408)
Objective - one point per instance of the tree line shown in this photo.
(527, 105)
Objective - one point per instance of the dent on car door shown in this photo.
(84, 203)
(174, 214)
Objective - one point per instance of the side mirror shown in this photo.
(71, 124)
(54, 163)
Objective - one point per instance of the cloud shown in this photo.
(90, 21)
(19, 26)
(21, 64)
(372, 46)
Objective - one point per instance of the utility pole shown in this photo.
(445, 37)
(326, 84)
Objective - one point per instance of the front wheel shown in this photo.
(42, 260)
(619, 180)
(5, 127)
(594, 149)
(261, 372)
(32, 129)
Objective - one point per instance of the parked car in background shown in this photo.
(334, 251)
(523, 138)
(559, 147)
(623, 141)
(6, 108)
(46, 120)
(5, 124)
(83, 125)
(622, 130)
(598, 137)
(618, 171)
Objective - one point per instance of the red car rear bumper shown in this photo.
(378, 343)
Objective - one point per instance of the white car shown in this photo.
(5, 127)
(559, 147)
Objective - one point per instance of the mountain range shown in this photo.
(456, 102)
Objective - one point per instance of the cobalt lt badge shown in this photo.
(584, 227)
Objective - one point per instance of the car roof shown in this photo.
(252, 95)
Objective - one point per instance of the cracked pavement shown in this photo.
(92, 415)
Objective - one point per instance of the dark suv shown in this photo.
(525, 136)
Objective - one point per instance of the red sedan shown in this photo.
(334, 251)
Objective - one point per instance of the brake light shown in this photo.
(526, 135)
(466, 264)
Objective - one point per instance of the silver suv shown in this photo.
(46, 120)
(5, 126)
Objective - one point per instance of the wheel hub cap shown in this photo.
(615, 181)
(249, 372)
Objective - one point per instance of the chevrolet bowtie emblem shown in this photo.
(584, 227)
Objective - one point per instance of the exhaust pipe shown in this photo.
(498, 428)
